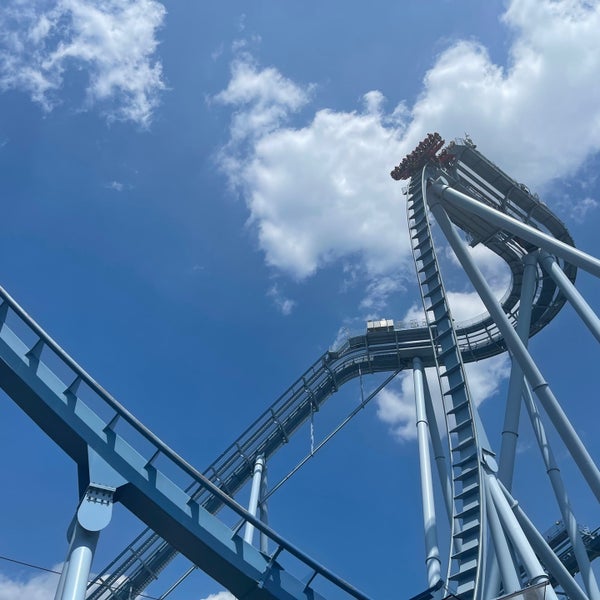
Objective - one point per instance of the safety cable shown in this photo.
(55, 572)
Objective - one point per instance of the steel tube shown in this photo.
(531, 234)
(511, 526)
(540, 387)
(510, 431)
(264, 511)
(438, 449)
(582, 308)
(432, 551)
(562, 498)
(543, 550)
(254, 497)
(81, 553)
(511, 581)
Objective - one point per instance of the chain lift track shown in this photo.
(468, 500)
(377, 351)
(93, 428)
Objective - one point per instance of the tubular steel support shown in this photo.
(514, 531)
(510, 431)
(432, 551)
(93, 515)
(531, 234)
(264, 511)
(46, 388)
(503, 557)
(562, 498)
(583, 309)
(254, 497)
(78, 564)
(438, 448)
(543, 550)
(540, 387)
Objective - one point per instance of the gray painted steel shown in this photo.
(185, 516)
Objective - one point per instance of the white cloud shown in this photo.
(221, 596)
(117, 186)
(537, 117)
(321, 192)
(312, 192)
(580, 208)
(283, 304)
(112, 41)
(266, 96)
(39, 587)
(396, 407)
(378, 291)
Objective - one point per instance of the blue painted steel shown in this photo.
(149, 494)
(432, 551)
(527, 232)
(502, 559)
(468, 528)
(544, 551)
(510, 430)
(78, 564)
(184, 516)
(254, 497)
(530, 561)
(541, 388)
(562, 497)
(583, 309)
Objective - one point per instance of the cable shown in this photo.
(32, 566)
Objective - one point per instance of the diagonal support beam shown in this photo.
(432, 560)
(510, 430)
(518, 350)
(572, 255)
(582, 308)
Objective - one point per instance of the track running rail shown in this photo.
(70, 410)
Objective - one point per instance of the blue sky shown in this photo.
(197, 204)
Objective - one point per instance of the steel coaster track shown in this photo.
(59, 409)
(29, 375)
(375, 351)
(468, 526)
(477, 339)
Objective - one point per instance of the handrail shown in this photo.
(177, 460)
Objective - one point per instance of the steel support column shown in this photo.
(540, 387)
(438, 449)
(254, 497)
(582, 308)
(572, 255)
(543, 550)
(511, 526)
(93, 515)
(432, 552)
(78, 565)
(510, 431)
(562, 498)
(502, 565)
(264, 511)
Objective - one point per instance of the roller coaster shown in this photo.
(493, 547)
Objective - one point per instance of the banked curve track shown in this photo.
(85, 420)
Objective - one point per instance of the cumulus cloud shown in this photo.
(580, 208)
(396, 406)
(316, 182)
(283, 304)
(221, 596)
(536, 116)
(112, 41)
(39, 587)
(320, 192)
(311, 192)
